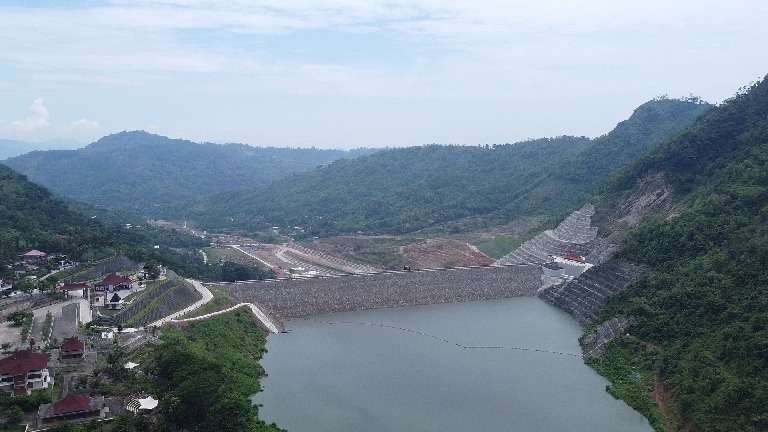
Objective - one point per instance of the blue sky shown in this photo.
(351, 73)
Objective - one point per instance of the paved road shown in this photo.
(263, 317)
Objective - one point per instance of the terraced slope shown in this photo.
(172, 295)
(583, 296)
(575, 234)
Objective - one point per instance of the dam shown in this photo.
(296, 298)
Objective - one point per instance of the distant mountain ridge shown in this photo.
(12, 148)
(138, 170)
(404, 190)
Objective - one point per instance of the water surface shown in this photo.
(401, 369)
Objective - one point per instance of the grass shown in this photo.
(232, 255)
(225, 254)
(220, 301)
(628, 365)
(498, 246)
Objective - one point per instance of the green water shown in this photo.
(406, 369)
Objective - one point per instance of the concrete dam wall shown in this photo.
(295, 298)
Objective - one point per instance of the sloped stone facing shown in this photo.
(574, 234)
(174, 298)
(582, 297)
(593, 344)
(295, 298)
(577, 227)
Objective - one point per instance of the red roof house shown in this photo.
(72, 406)
(72, 348)
(34, 255)
(113, 282)
(23, 362)
(24, 371)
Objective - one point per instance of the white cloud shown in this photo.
(85, 123)
(37, 118)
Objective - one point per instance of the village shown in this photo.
(63, 341)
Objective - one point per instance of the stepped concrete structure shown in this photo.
(574, 235)
(295, 298)
(583, 296)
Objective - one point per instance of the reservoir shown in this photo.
(449, 367)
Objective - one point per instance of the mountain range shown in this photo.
(404, 190)
(140, 171)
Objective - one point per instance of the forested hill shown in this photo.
(31, 218)
(701, 317)
(139, 170)
(404, 190)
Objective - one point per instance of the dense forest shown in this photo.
(30, 217)
(701, 317)
(139, 170)
(404, 190)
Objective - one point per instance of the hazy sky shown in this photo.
(350, 73)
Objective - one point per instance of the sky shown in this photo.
(363, 73)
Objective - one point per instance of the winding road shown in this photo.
(263, 317)
(268, 322)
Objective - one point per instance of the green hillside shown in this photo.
(701, 317)
(31, 218)
(404, 190)
(138, 170)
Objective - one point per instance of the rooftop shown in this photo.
(21, 362)
(72, 344)
(114, 279)
(72, 403)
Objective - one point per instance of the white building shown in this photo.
(25, 371)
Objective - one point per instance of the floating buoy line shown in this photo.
(444, 340)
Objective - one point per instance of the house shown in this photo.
(73, 406)
(34, 256)
(113, 282)
(98, 299)
(76, 288)
(25, 371)
(115, 302)
(72, 349)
